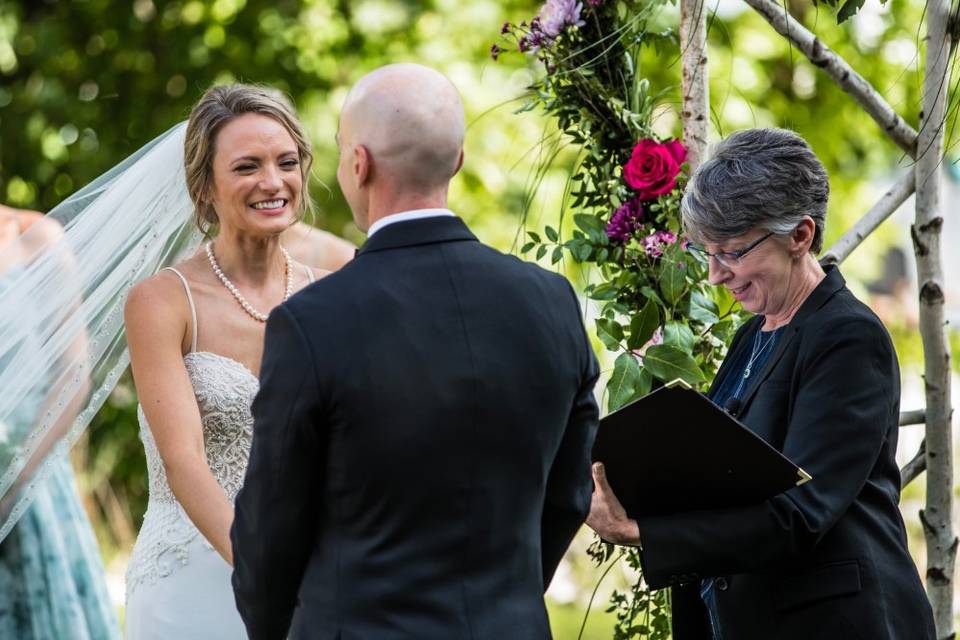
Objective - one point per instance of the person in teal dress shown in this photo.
(52, 582)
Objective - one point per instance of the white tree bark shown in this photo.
(936, 517)
(890, 202)
(842, 73)
(695, 80)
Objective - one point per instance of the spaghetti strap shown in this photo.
(310, 277)
(193, 309)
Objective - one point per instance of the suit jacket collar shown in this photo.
(418, 232)
(822, 293)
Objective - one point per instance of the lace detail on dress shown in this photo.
(224, 389)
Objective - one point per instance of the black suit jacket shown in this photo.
(421, 452)
(827, 559)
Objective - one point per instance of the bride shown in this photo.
(195, 334)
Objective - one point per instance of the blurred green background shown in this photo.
(84, 83)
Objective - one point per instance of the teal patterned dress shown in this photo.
(52, 583)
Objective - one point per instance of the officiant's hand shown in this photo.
(607, 516)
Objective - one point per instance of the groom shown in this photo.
(421, 453)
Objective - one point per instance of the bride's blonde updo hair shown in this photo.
(218, 106)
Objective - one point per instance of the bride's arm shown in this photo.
(156, 325)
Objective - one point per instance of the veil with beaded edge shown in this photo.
(59, 363)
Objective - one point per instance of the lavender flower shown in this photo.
(557, 15)
(657, 336)
(495, 51)
(655, 243)
(505, 28)
(625, 221)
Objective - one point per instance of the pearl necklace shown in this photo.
(256, 315)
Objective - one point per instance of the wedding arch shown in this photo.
(655, 311)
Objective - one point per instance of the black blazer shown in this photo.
(421, 451)
(827, 559)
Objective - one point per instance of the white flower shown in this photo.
(557, 15)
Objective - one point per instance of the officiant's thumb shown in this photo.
(599, 475)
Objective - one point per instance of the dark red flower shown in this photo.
(653, 167)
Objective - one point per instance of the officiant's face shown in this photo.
(256, 176)
(761, 279)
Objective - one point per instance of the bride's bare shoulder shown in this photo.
(163, 292)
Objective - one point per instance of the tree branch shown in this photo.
(915, 467)
(917, 416)
(879, 212)
(842, 73)
(695, 87)
(926, 231)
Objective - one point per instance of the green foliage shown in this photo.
(656, 310)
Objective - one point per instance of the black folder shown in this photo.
(674, 450)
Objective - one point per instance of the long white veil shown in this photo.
(62, 290)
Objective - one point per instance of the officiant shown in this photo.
(815, 374)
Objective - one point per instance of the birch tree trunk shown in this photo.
(937, 516)
(696, 91)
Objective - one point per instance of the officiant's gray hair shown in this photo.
(756, 178)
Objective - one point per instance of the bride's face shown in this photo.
(256, 176)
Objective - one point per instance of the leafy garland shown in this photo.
(657, 310)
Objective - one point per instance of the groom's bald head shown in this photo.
(409, 119)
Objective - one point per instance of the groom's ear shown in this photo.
(361, 165)
(459, 163)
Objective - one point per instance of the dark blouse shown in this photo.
(734, 385)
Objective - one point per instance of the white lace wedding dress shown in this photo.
(178, 586)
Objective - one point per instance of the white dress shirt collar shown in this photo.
(404, 216)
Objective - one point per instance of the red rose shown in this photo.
(653, 167)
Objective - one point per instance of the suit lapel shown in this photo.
(817, 298)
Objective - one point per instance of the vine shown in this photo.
(657, 310)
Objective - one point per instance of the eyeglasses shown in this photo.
(728, 258)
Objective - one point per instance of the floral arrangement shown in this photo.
(657, 311)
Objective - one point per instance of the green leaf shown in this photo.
(552, 234)
(673, 281)
(723, 298)
(557, 254)
(541, 251)
(583, 252)
(649, 293)
(627, 382)
(703, 309)
(643, 325)
(603, 291)
(534, 236)
(527, 247)
(848, 10)
(667, 363)
(679, 335)
(610, 333)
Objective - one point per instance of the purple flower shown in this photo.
(655, 243)
(505, 28)
(524, 44)
(495, 51)
(625, 221)
(557, 15)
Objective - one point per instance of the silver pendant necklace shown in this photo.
(757, 351)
